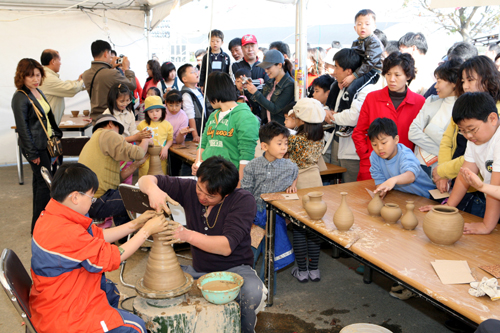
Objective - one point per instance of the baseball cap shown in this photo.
(272, 57)
(329, 56)
(153, 102)
(248, 39)
(104, 119)
(309, 110)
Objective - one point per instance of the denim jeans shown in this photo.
(110, 204)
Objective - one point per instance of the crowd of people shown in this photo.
(378, 108)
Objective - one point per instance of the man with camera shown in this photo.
(102, 75)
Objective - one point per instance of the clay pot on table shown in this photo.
(314, 205)
(343, 217)
(75, 113)
(443, 225)
(86, 113)
(409, 220)
(375, 205)
(154, 161)
(391, 213)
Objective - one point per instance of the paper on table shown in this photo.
(453, 271)
(438, 195)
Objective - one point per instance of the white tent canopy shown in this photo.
(29, 27)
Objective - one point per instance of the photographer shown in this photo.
(102, 75)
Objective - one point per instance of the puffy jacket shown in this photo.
(32, 137)
(282, 96)
(371, 50)
(378, 104)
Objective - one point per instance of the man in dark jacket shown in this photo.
(249, 47)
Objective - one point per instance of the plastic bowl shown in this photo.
(220, 296)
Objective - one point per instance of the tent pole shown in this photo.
(300, 49)
(147, 14)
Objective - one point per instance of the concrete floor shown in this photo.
(339, 299)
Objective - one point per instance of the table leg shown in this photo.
(269, 256)
(335, 252)
(367, 275)
(19, 159)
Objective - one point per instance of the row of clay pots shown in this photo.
(442, 225)
(316, 209)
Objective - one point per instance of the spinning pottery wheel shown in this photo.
(164, 278)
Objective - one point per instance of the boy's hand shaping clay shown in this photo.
(141, 220)
(155, 225)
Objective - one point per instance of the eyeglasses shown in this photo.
(91, 198)
(472, 131)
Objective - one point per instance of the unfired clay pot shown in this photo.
(409, 220)
(343, 217)
(375, 205)
(315, 206)
(86, 113)
(391, 213)
(75, 113)
(154, 161)
(444, 225)
(163, 271)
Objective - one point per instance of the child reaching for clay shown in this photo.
(162, 131)
(70, 255)
(304, 149)
(393, 165)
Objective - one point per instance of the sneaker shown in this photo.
(314, 275)
(301, 276)
(402, 295)
(397, 287)
(344, 131)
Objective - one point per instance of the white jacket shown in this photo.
(56, 89)
(425, 134)
(349, 117)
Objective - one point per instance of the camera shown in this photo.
(120, 60)
(244, 79)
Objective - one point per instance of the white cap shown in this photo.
(329, 56)
(309, 110)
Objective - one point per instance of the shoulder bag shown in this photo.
(54, 145)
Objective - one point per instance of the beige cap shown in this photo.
(309, 110)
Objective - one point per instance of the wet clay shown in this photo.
(375, 205)
(154, 161)
(219, 285)
(163, 271)
(315, 206)
(343, 217)
(391, 213)
(409, 220)
(443, 225)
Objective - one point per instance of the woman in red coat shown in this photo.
(396, 102)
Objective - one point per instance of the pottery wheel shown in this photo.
(160, 294)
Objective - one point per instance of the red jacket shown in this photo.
(378, 104)
(69, 255)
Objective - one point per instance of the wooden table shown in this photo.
(187, 153)
(402, 255)
(79, 125)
